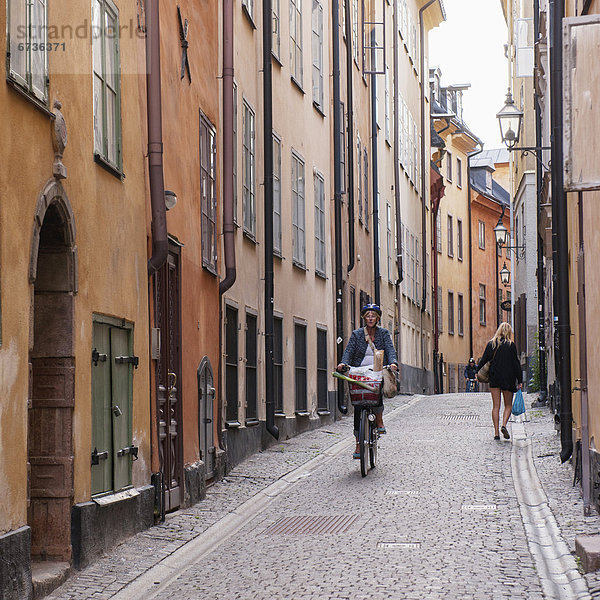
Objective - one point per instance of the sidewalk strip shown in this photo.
(153, 581)
(555, 564)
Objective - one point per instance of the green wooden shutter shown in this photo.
(101, 411)
(121, 407)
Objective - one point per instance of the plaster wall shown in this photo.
(110, 218)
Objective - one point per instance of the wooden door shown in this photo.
(168, 377)
(206, 396)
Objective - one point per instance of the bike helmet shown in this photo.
(368, 307)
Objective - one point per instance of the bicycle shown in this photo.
(472, 385)
(365, 395)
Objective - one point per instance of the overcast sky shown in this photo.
(469, 48)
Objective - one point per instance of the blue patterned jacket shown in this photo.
(357, 347)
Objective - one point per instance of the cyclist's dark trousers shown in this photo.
(376, 409)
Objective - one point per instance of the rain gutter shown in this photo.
(350, 141)
(397, 196)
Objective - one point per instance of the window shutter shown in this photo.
(17, 16)
(120, 409)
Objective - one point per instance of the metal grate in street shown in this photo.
(479, 507)
(311, 525)
(460, 417)
(404, 545)
(401, 493)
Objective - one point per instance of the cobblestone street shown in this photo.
(438, 518)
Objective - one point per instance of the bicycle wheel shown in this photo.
(373, 443)
(363, 441)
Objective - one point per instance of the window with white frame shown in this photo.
(296, 41)
(389, 244)
(481, 304)
(276, 195)
(298, 212)
(438, 232)
(450, 236)
(388, 132)
(524, 47)
(343, 147)
(449, 166)
(460, 315)
(451, 313)
(320, 255)
(27, 59)
(366, 184)
(439, 310)
(459, 239)
(208, 194)
(276, 39)
(249, 171)
(359, 179)
(459, 172)
(107, 83)
(481, 235)
(317, 52)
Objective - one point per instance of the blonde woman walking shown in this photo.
(505, 375)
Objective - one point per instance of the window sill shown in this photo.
(45, 108)
(251, 422)
(323, 412)
(300, 266)
(248, 16)
(108, 167)
(321, 275)
(280, 415)
(318, 108)
(276, 59)
(250, 237)
(212, 269)
(232, 424)
(302, 413)
(298, 85)
(277, 254)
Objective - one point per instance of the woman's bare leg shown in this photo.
(508, 399)
(496, 409)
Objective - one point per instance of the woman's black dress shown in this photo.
(505, 369)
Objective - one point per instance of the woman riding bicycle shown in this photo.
(360, 353)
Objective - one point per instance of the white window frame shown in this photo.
(208, 194)
(107, 144)
(277, 233)
(276, 39)
(482, 306)
(296, 52)
(317, 52)
(481, 228)
(28, 29)
(320, 225)
(249, 170)
(450, 222)
(298, 210)
(248, 6)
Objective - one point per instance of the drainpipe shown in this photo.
(560, 219)
(350, 141)
(375, 175)
(583, 383)
(155, 143)
(268, 216)
(424, 79)
(540, 242)
(397, 185)
(228, 226)
(337, 197)
(469, 193)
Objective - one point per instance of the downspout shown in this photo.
(583, 383)
(268, 217)
(540, 242)
(350, 141)
(397, 186)
(228, 226)
(424, 86)
(469, 193)
(560, 217)
(337, 198)
(155, 143)
(375, 175)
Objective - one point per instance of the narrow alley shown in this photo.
(447, 513)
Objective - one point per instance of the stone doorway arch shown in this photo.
(53, 275)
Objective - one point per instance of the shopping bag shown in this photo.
(518, 407)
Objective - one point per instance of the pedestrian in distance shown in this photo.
(505, 375)
(359, 352)
(471, 376)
